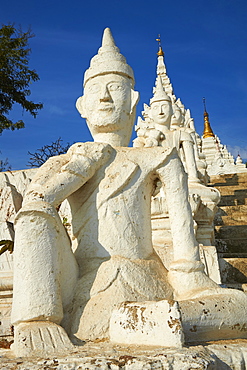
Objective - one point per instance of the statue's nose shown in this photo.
(161, 110)
(105, 95)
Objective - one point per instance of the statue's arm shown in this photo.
(189, 154)
(61, 176)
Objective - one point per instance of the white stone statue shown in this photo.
(109, 187)
(163, 126)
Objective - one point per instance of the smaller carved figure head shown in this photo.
(177, 117)
(109, 101)
(161, 107)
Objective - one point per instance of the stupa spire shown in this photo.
(208, 132)
(160, 51)
(161, 69)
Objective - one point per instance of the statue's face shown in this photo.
(107, 102)
(177, 117)
(161, 112)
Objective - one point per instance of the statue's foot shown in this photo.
(40, 338)
(189, 280)
(218, 314)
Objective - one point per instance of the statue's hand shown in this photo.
(55, 182)
(150, 142)
(86, 158)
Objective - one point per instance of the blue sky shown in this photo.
(205, 45)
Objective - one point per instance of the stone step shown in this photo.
(233, 189)
(239, 184)
(231, 232)
(232, 255)
(233, 199)
(235, 220)
(226, 189)
(230, 188)
(239, 180)
(231, 229)
(231, 215)
(231, 245)
(233, 270)
(232, 209)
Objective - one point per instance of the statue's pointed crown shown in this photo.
(160, 93)
(108, 60)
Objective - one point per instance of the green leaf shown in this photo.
(15, 75)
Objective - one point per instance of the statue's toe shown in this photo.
(40, 338)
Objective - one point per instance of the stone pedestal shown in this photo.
(147, 323)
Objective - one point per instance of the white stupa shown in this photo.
(219, 160)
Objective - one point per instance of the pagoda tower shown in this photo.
(219, 160)
(210, 143)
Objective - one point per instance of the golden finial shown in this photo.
(160, 52)
(208, 132)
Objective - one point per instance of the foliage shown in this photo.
(7, 245)
(40, 157)
(4, 165)
(15, 75)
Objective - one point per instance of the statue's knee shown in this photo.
(38, 208)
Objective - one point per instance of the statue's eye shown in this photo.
(114, 87)
(94, 88)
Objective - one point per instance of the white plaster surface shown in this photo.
(147, 323)
(218, 315)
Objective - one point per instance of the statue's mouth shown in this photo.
(106, 107)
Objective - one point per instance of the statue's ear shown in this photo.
(173, 110)
(134, 99)
(80, 105)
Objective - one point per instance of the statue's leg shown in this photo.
(45, 274)
(186, 271)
